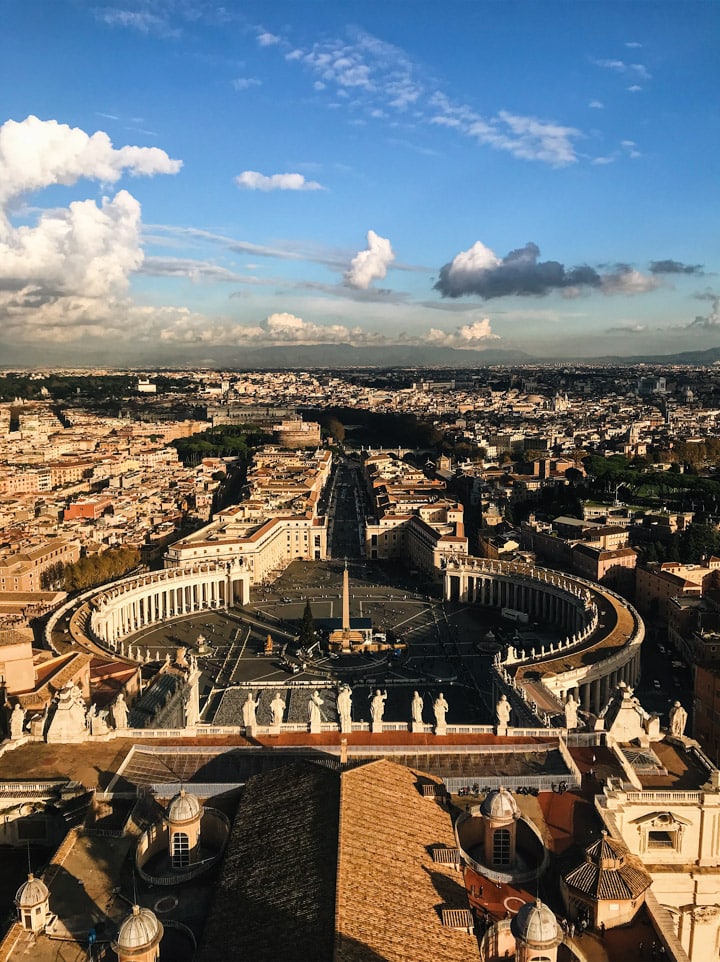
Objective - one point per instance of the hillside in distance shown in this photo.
(393, 355)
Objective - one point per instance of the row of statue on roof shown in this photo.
(343, 705)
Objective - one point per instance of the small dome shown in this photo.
(183, 807)
(31, 893)
(139, 930)
(535, 922)
(499, 803)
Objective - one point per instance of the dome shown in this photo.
(535, 922)
(31, 893)
(183, 807)
(139, 930)
(499, 803)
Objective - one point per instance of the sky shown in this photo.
(185, 176)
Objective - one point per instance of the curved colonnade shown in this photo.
(601, 632)
(124, 607)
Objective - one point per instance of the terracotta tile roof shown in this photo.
(328, 866)
(276, 895)
(609, 872)
(390, 892)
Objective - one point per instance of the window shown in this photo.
(501, 846)
(661, 839)
(180, 850)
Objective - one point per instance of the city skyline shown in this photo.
(183, 180)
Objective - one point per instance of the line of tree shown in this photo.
(222, 441)
(91, 570)
(375, 429)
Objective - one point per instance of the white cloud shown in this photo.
(634, 89)
(38, 153)
(253, 180)
(468, 337)
(141, 20)
(638, 70)
(266, 39)
(85, 250)
(596, 105)
(526, 138)
(68, 270)
(628, 329)
(709, 321)
(371, 264)
(628, 281)
(276, 329)
(245, 83)
(479, 271)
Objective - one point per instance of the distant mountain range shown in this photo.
(306, 356)
(389, 355)
(691, 358)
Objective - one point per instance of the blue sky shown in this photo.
(183, 175)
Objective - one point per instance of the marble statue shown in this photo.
(377, 707)
(120, 711)
(68, 720)
(440, 707)
(249, 710)
(180, 659)
(571, 710)
(277, 707)
(17, 720)
(416, 708)
(502, 710)
(314, 716)
(344, 708)
(678, 720)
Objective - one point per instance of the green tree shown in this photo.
(307, 626)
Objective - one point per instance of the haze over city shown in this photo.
(187, 181)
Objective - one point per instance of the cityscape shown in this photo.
(253, 622)
(359, 481)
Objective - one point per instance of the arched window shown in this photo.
(180, 850)
(501, 846)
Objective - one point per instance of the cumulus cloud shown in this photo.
(276, 329)
(284, 328)
(252, 180)
(85, 249)
(709, 321)
(481, 272)
(371, 264)
(674, 267)
(38, 153)
(69, 269)
(266, 39)
(596, 105)
(626, 280)
(628, 329)
(467, 337)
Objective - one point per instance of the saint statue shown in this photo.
(502, 710)
(344, 708)
(120, 712)
(416, 708)
(249, 710)
(571, 710)
(17, 720)
(678, 720)
(277, 707)
(440, 707)
(314, 716)
(377, 706)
